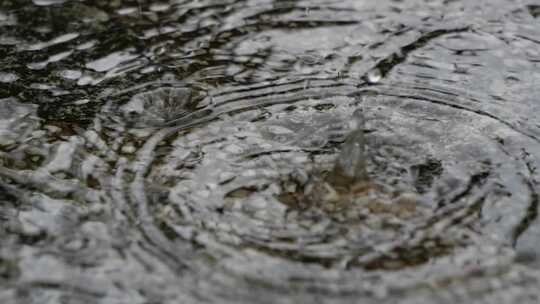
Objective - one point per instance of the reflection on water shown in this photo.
(269, 151)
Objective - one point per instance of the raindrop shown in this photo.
(374, 76)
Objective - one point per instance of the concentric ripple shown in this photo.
(269, 152)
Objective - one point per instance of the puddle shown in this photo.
(269, 151)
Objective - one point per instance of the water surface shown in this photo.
(166, 152)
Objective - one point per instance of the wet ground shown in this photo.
(186, 151)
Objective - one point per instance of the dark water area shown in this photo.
(210, 151)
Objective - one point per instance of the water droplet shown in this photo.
(374, 76)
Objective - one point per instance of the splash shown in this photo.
(161, 107)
